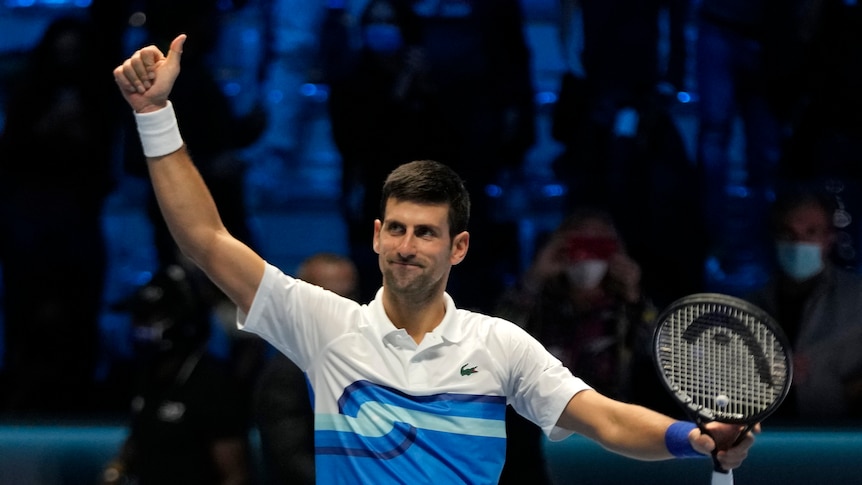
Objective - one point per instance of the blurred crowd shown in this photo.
(769, 176)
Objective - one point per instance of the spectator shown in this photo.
(282, 407)
(608, 110)
(56, 170)
(827, 138)
(188, 423)
(615, 118)
(818, 306)
(747, 69)
(582, 298)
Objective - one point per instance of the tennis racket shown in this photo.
(723, 359)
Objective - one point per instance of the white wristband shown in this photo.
(159, 131)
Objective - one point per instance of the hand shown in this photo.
(732, 448)
(624, 277)
(147, 77)
(548, 263)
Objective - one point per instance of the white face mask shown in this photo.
(799, 260)
(587, 274)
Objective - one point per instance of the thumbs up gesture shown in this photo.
(147, 77)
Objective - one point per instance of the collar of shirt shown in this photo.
(449, 329)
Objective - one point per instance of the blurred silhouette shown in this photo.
(615, 118)
(384, 110)
(188, 419)
(582, 299)
(818, 306)
(827, 138)
(214, 138)
(55, 174)
(433, 79)
(217, 133)
(479, 64)
(749, 70)
(282, 407)
(605, 112)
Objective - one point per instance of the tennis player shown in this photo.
(407, 388)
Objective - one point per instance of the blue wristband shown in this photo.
(676, 440)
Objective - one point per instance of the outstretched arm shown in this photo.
(145, 80)
(638, 432)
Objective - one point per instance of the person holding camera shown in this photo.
(582, 298)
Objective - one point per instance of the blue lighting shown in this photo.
(232, 88)
(546, 97)
(553, 190)
(493, 190)
(48, 3)
(275, 96)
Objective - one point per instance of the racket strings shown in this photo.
(724, 363)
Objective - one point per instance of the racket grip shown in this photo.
(722, 478)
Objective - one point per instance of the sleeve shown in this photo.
(297, 318)
(540, 386)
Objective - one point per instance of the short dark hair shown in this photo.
(793, 198)
(429, 182)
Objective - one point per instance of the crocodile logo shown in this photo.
(467, 372)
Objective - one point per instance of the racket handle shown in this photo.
(722, 478)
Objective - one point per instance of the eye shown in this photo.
(425, 232)
(394, 228)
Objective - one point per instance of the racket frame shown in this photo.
(732, 307)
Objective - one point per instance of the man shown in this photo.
(188, 422)
(818, 306)
(407, 388)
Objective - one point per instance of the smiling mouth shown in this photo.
(399, 262)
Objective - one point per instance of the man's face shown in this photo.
(414, 247)
(807, 224)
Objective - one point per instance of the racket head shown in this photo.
(722, 358)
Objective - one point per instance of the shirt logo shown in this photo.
(470, 371)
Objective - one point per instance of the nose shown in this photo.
(407, 246)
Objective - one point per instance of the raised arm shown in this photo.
(641, 433)
(145, 80)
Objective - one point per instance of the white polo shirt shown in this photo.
(388, 410)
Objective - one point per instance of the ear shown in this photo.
(460, 244)
(375, 240)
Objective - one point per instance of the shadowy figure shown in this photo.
(443, 80)
(605, 114)
(748, 70)
(188, 419)
(282, 407)
(817, 304)
(55, 174)
(479, 63)
(623, 150)
(384, 110)
(214, 138)
(582, 299)
(827, 137)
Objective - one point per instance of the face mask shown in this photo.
(799, 260)
(383, 38)
(588, 273)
